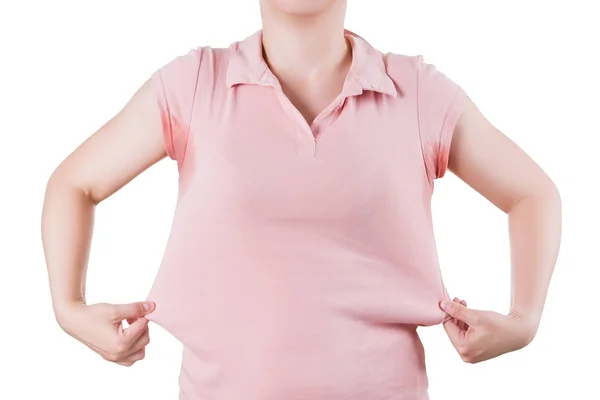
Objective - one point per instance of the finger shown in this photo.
(454, 332)
(131, 311)
(132, 320)
(137, 356)
(463, 325)
(141, 342)
(456, 299)
(131, 359)
(448, 317)
(135, 330)
(459, 312)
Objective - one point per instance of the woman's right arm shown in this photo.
(120, 150)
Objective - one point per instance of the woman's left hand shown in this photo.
(481, 335)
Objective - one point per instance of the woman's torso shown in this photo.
(301, 258)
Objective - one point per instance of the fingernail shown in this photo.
(446, 305)
(147, 306)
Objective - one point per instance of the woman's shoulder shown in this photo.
(200, 62)
(416, 70)
(196, 55)
(218, 52)
(404, 62)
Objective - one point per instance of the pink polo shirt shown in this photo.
(302, 256)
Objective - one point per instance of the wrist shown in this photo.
(528, 322)
(64, 310)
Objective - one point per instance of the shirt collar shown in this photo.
(368, 71)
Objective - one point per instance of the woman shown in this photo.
(302, 257)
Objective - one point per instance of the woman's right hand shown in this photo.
(100, 327)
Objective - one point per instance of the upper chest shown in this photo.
(261, 124)
(312, 97)
(251, 145)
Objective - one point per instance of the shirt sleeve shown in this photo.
(440, 103)
(175, 87)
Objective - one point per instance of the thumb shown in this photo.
(458, 311)
(132, 310)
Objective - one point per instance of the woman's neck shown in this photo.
(305, 46)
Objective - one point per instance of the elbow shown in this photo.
(550, 194)
(62, 182)
(544, 192)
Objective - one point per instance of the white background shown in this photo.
(68, 66)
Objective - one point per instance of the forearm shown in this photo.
(535, 234)
(67, 223)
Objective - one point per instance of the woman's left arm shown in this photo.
(498, 169)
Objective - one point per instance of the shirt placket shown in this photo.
(308, 135)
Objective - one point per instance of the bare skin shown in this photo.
(306, 49)
(308, 52)
(493, 165)
(120, 150)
